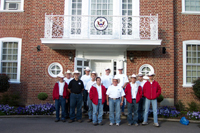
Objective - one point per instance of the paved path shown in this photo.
(47, 125)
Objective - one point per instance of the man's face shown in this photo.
(68, 75)
(76, 75)
(87, 72)
(140, 78)
(60, 79)
(108, 71)
(120, 71)
(133, 80)
(93, 76)
(115, 82)
(98, 81)
(151, 77)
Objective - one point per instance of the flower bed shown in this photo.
(193, 115)
(41, 109)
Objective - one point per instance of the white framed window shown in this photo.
(145, 69)
(10, 58)
(11, 5)
(191, 62)
(55, 69)
(191, 6)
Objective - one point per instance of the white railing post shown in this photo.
(154, 27)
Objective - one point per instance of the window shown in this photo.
(191, 6)
(101, 8)
(55, 69)
(127, 21)
(191, 62)
(76, 20)
(10, 57)
(145, 69)
(11, 5)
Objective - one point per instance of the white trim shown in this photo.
(3, 10)
(184, 60)
(188, 12)
(19, 40)
(49, 71)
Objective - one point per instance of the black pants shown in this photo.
(105, 106)
(85, 96)
(67, 107)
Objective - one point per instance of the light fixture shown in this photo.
(131, 57)
(70, 55)
(38, 48)
(163, 50)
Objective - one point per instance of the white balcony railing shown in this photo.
(119, 27)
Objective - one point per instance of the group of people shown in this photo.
(106, 94)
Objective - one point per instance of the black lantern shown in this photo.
(38, 48)
(70, 56)
(131, 57)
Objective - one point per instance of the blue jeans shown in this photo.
(85, 97)
(89, 107)
(141, 109)
(114, 106)
(132, 108)
(97, 109)
(154, 105)
(76, 101)
(60, 102)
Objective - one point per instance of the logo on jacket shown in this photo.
(101, 23)
(79, 83)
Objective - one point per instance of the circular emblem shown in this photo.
(100, 23)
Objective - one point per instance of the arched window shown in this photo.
(145, 69)
(55, 69)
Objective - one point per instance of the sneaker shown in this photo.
(80, 121)
(117, 124)
(95, 124)
(156, 124)
(57, 120)
(64, 120)
(129, 124)
(89, 120)
(144, 123)
(70, 121)
(136, 124)
(111, 124)
(101, 123)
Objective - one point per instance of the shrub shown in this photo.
(12, 99)
(160, 98)
(42, 96)
(193, 106)
(196, 88)
(4, 83)
(180, 106)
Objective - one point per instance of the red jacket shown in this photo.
(151, 91)
(56, 91)
(129, 94)
(94, 94)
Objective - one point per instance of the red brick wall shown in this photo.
(187, 27)
(163, 64)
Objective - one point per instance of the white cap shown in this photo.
(61, 75)
(120, 67)
(93, 72)
(151, 74)
(87, 69)
(140, 74)
(107, 68)
(116, 79)
(68, 71)
(133, 76)
(76, 71)
(145, 78)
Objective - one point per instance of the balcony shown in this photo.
(82, 30)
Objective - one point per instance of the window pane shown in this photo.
(194, 54)
(193, 48)
(194, 60)
(189, 54)
(194, 74)
(189, 60)
(189, 80)
(189, 47)
(189, 74)
(86, 63)
(189, 67)
(194, 68)
(79, 63)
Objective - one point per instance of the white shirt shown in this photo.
(89, 85)
(106, 80)
(61, 88)
(85, 79)
(115, 91)
(141, 83)
(99, 91)
(123, 79)
(134, 90)
(67, 80)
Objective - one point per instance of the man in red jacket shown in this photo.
(60, 95)
(98, 97)
(151, 91)
(133, 95)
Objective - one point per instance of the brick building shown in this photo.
(40, 39)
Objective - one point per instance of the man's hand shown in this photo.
(121, 103)
(108, 103)
(66, 101)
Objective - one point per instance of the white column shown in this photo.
(117, 20)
